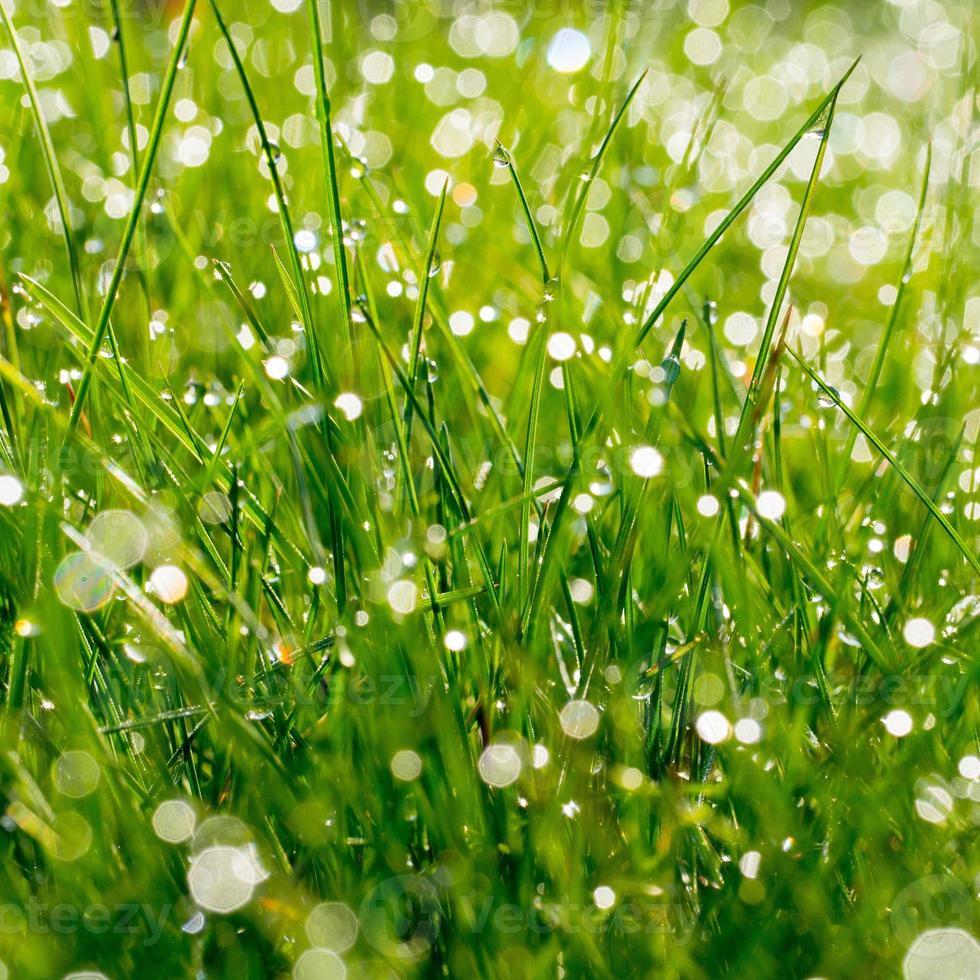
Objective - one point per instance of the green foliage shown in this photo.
(476, 501)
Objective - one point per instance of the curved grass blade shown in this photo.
(323, 110)
(425, 274)
(503, 157)
(149, 401)
(590, 175)
(561, 509)
(303, 298)
(50, 163)
(762, 364)
(391, 399)
(271, 156)
(124, 75)
(743, 203)
(910, 481)
(530, 443)
(156, 132)
(865, 404)
(470, 374)
(448, 470)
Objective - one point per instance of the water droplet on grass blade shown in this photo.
(829, 398)
(501, 158)
(671, 368)
(214, 507)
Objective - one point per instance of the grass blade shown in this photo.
(910, 481)
(132, 222)
(50, 162)
(324, 110)
(745, 200)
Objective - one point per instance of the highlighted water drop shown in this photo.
(83, 582)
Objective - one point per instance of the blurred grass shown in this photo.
(568, 568)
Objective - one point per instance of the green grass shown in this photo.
(464, 518)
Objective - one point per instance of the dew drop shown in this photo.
(501, 158)
(358, 230)
(828, 399)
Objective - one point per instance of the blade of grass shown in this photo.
(120, 41)
(762, 365)
(425, 274)
(271, 158)
(886, 338)
(51, 165)
(324, 110)
(589, 175)
(910, 481)
(884, 663)
(503, 157)
(153, 146)
(744, 201)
